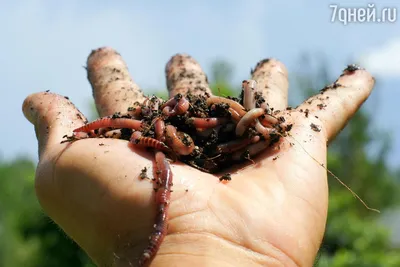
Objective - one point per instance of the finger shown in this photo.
(272, 81)
(53, 117)
(113, 88)
(184, 75)
(337, 103)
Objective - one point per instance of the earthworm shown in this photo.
(249, 87)
(251, 150)
(234, 115)
(255, 139)
(209, 119)
(247, 119)
(138, 139)
(159, 129)
(146, 110)
(82, 135)
(264, 131)
(232, 104)
(149, 105)
(103, 131)
(223, 128)
(111, 122)
(155, 103)
(235, 145)
(206, 123)
(179, 103)
(268, 120)
(180, 142)
(229, 127)
(265, 106)
(163, 194)
(135, 111)
(90, 134)
(207, 132)
(113, 134)
(136, 135)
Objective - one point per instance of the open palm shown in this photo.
(272, 213)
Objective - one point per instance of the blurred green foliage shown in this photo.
(27, 237)
(354, 235)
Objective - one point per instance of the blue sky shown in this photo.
(46, 43)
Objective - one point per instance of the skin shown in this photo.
(272, 213)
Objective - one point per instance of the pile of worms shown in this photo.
(207, 132)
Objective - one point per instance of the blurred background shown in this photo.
(45, 45)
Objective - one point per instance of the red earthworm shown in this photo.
(251, 150)
(138, 139)
(206, 123)
(82, 135)
(268, 120)
(234, 115)
(170, 102)
(229, 127)
(182, 106)
(232, 104)
(264, 131)
(90, 134)
(149, 105)
(103, 131)
(111, 122)
(247, 119)
(180, 142)
(113, 134)
(207, 132)
(265, 106)
(232, 146)
(255, 139)
(146, 110)
(136, 135)
(204, 132)
(179, 103)
(159, 129)
(249, 88)
(135, 111)
(163, 194)
(224, 128)
(155, 102)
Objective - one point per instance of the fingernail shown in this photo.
(352, 68)
(259, 65)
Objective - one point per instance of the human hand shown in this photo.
(272, 213)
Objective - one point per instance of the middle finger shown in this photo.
(185, 75)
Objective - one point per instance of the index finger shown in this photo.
(337, 103)
(114, 90)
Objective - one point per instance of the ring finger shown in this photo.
(272, 81)
(184, 75)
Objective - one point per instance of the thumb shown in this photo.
(53, 117)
